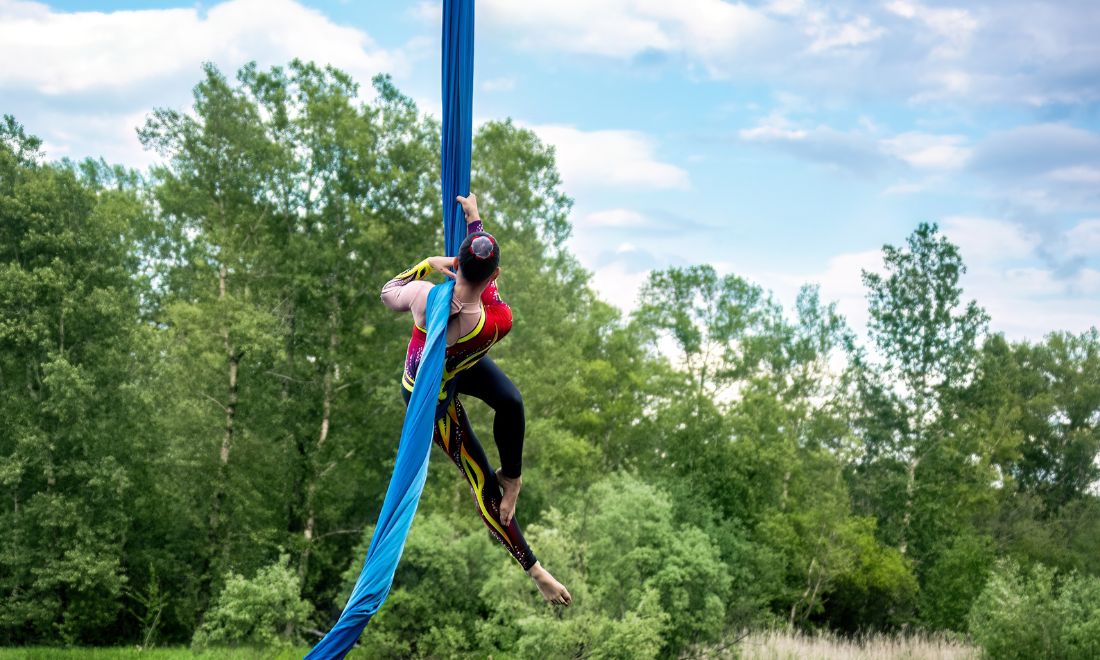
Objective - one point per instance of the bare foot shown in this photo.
(552, 590)
(511, 493)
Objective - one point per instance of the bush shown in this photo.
(265, 611)
(1030, 614)
(1078, 612)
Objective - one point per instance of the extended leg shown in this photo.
(455, 436)
(471, 459)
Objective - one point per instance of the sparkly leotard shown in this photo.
(453, 432)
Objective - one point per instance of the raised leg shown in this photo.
(487, 382)
(455, 436)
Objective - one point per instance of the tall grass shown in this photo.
(786, 645)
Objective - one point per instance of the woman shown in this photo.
(479, 319)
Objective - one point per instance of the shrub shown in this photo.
(1031, 614)
(265, 611)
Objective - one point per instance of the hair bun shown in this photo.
(482, 247)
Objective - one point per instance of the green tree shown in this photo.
(926, 341)
(1049, 400)
(287, 203)
(68, 324)
(953, 583)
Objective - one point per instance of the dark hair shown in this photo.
(478, 256)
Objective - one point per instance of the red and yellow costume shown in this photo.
(453, 432)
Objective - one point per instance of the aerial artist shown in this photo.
(478, 320)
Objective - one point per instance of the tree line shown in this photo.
(200, 407)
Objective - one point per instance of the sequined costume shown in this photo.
(467, 346)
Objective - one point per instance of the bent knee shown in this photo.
(511, 400)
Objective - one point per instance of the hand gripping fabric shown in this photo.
(411, 467)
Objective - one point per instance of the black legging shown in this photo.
(453, 434)
(487, 382)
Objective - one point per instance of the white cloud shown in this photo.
(1026, 318)
(860, 151)
(84, 80)
(841, 282)
(1083, 240)
(710, 32)
(1025, 300)
(615, 219)
(601, 158)
(952, 29)
(786, 7)
(987, 240)
(827, 34)
(618, 284)
(853, 151)
(115, 136)
(1030, 302)
(1042, 168)
(427, 11)
(1067, 152)
(55, 52)
(1017, 51)
(1077, 174)
(1088, 283)
(929, 151)
(773, 127)
(1031, 281)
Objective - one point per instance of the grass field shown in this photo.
(756, 646)
(43, 653)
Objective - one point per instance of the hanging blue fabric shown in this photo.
(409, 472)
(411, 467)
(458, 86)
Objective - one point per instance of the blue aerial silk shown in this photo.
(458, 85)
(411, 467)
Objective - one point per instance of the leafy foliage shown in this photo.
(1031, 613)
(264, 611)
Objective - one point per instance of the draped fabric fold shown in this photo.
(411, 466)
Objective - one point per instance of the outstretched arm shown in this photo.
(473, 224)
(408, 292)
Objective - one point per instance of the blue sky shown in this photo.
(785, 141)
